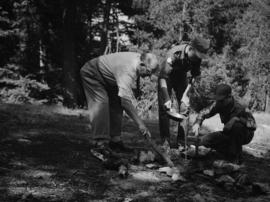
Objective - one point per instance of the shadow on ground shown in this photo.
(44, 156)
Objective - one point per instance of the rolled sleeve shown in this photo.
(125, 93)
(124, 83)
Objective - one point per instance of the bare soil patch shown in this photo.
(45, 156)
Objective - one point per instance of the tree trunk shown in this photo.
(267, 103)
(106, 22)
(70, 68)
(185, 27)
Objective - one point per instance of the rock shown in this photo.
(143, 194)
(151, 166)
(18, 183)
(145, 176)
(152, 188)
(203, 150)
(126, 185)
(225, 179)
(18, 164)
(206, 189)
(128, 199)
(225, 167)
(210, 173)
(242, 180)
(190, 151)
(136, 167)
(146, 156)
(228, 186)
(38, 174)
(24, 141)
(260, 188)
(178, 177)
(167, 170)
(198, 198)
(28, 197)
(123, 171)
(173, 172)
(181, 148)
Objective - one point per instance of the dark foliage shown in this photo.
(48, 41)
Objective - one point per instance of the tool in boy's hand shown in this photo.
(186, 101)
(176, 116)
(182, 116)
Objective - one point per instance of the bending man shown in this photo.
(108, 82)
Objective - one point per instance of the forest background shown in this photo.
(43, 45)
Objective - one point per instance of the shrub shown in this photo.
(15, 88)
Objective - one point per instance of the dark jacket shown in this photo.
(179, 62)
(226, 114)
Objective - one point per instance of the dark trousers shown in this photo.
(178, 83)
(229, 142)
(104, 105)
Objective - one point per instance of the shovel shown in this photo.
(158, 150)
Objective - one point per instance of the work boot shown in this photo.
(118, 146)
(101, 151)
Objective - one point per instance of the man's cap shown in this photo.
(200, 45)
(222, 91)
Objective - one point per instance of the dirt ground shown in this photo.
(45, 156)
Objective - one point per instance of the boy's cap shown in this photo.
(201, 46)
(222, 91)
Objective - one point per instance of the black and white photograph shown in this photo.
(134, 101)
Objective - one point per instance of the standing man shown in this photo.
(239, 125)
(173, 75)
(108, 82)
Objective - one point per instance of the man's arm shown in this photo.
(164, 88)
(166, 68)
(132, 113)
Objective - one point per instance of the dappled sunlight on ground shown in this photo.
(44, 156)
